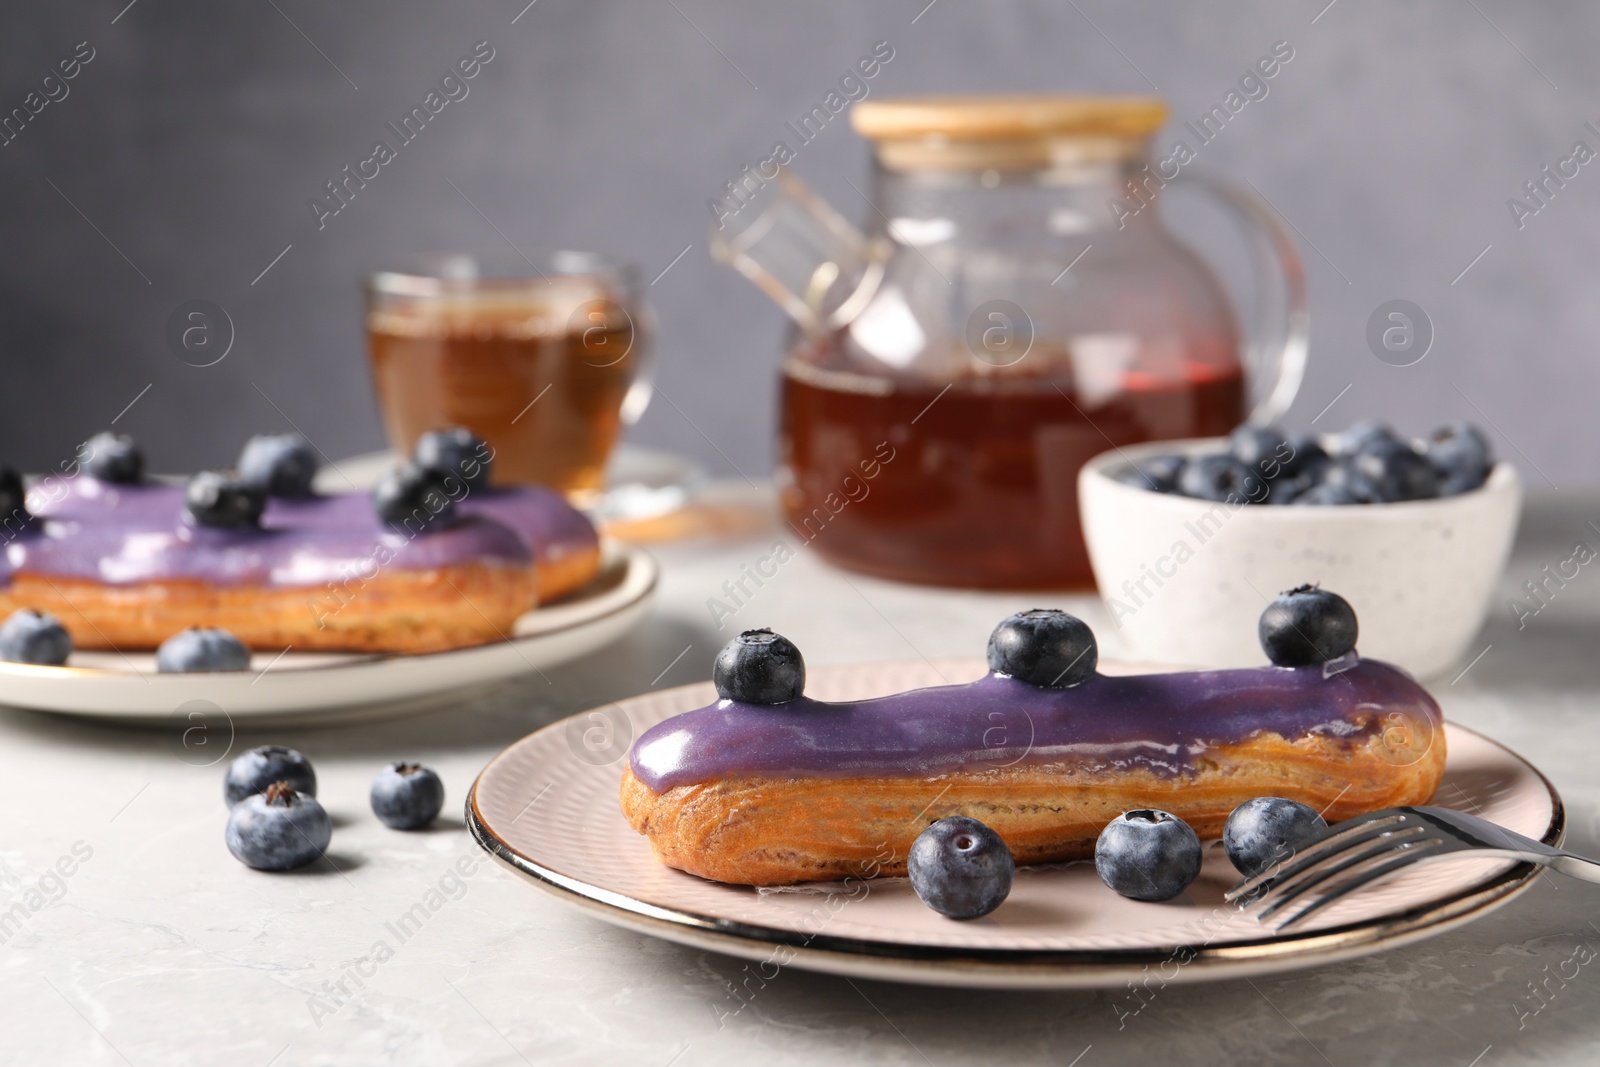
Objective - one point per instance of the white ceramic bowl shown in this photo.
(1185, 580)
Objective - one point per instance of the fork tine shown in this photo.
(1397, 860)
(1362, 828)
(1332, 866)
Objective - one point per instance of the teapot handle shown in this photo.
(1278, 344)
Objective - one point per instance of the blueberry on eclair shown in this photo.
(280, 464)
(112, 457)
(1307, 625)
(458, 451)
(222, 498)
(1044, 647)
(759, 667)
(410, 497)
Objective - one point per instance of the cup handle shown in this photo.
(643, 386)
(1278, 344)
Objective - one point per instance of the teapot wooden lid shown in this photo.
(1007, 118)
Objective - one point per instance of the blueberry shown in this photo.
(1326, 494)
(1363, 435)
(253, 771)
(1307, 625)
(407, 796)
(960, 868)
(1286, 490)
(222, 499)
(1147, 855)
(411, 498)
(1158, 474)
(278, 464)
(112, 457)
(1398, 471)
(201, 649)
(1268, 830)
(1461, 456)
(278, 829)
(759, 667)
(1044, 647)
(1261, 448)
(13, 499)
(1305, 457)
(29, 636)
(1221, 478)
(1343, 474)
(456, 451)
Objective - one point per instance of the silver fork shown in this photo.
(1379, 845)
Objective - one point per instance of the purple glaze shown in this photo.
(1158, 721)
(547, 524)
(122, 534)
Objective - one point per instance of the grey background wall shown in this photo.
(180, 163)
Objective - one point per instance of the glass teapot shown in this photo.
(1014, 307)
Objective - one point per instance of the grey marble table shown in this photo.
(157, 947)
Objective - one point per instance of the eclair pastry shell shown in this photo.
(396, 611)
(773, 831)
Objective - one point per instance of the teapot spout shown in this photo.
(816, 266)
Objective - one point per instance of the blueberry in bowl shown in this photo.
(1223, 479)
(202, 649)
(112, 457)
(1159, 474)
(456, 451)
(1044, 647)
(1397, 471)
(1147, 854)
(1326, 495)
(1460, 456)
(759, 667)
(278, 829)
(251, 772)
(1260, 448)
(1268, 830)
(1305, 457)
(280, 465)
(224, 500)
(37, 637)
(1360, 436)
(1369, 462)
(960, 868)
(407, 796)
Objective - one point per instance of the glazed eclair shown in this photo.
(759, 791)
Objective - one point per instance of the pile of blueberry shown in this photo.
(276, 824)
(1367, 464)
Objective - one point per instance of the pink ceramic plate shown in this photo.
(547, 808)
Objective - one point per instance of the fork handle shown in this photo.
(1586, 870)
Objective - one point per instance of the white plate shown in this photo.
(547, 808)
(326, 687)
